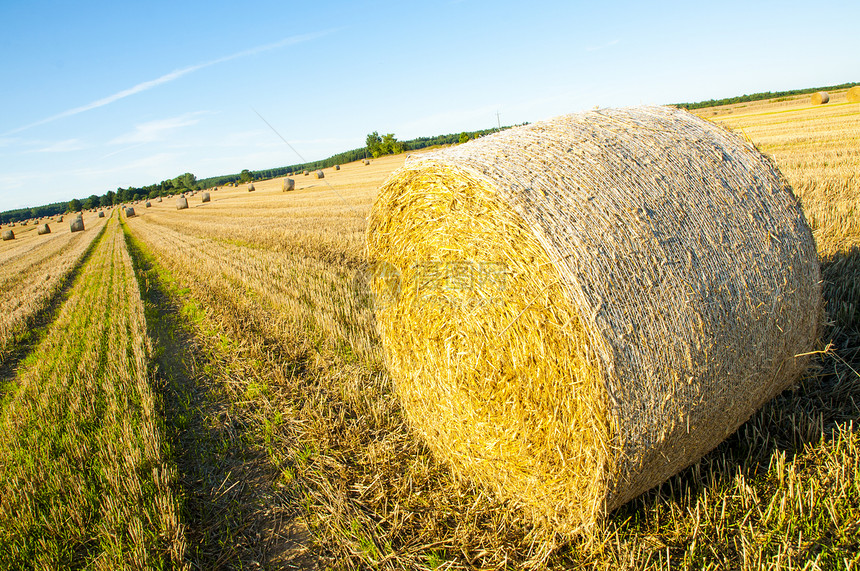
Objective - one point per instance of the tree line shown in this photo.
(761, 96)
(376, 146)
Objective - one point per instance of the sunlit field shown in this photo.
(205, 388)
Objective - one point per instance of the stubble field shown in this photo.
(205, 389)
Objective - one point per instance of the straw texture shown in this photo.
(77, 224)
(575, 310)
(8, 235)
(181, 203)
(43, 229)
(289, 184)
(853, 94)
(819, 98)
(205, 197)
(129, 212)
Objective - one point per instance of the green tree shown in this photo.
(245, 176)
(464, 137)
(91, 202)
(74, 205)
(374, 144)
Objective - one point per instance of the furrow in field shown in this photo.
(33, 273)
(294, 295)
(85, 479)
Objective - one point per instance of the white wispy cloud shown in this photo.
(157, 130)
(603, 46)
(66, 146)
(166, 78)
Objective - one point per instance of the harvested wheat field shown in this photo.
(275, 412)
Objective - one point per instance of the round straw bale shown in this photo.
(819, 98)
(251, 188)
(853, 94)
(158, 199)
(337, 167)
(181, 203)
(77, 224)
(148, 204)
(8, 235)
(305, 173)
(205, 197)
(320, 174)
(129, 212)
(101, 214)
(366, 162)
(574, 310)
(289, 184)
(59, 219)
(43, 229)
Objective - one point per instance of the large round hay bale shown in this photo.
(289, 184)
(8, 235)
(574, 310)
(43, 229)
(305, 173)
(158, 199)
(251, 188)
(205, 197)
(101, 214)
(129, 212)
(148, 204)
(59, 219)
(819, 98)
(320, 174)
(181, 203)
(853, 94)
(366, 162)
(337, 167)
(77, 224)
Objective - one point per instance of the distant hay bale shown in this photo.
(320, 174)
(148, 204)
(59, 219)
(8, 235)
(181, 203)
(251, 188)
(366, 162)
(853, 94)
(43, 229)
(819, 98)
(101, 214)
(289, 184)
(574, 310)
(205, 197)
(337, 167)
(77, 224)
(129, 212)
(158, 199)
(305, 173)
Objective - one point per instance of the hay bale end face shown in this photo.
(77, 224)
(819, 98)
(101, 214)
(129, 212)
(251, 188)
(289, 184)
(337, 167)
(205, 197)
(305, 173)
(320, 174)
(43, 229)
(584, 325)
(853, 95)
(8, 235)
(181, 203)
(148, 204)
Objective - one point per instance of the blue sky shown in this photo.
(100, 95)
